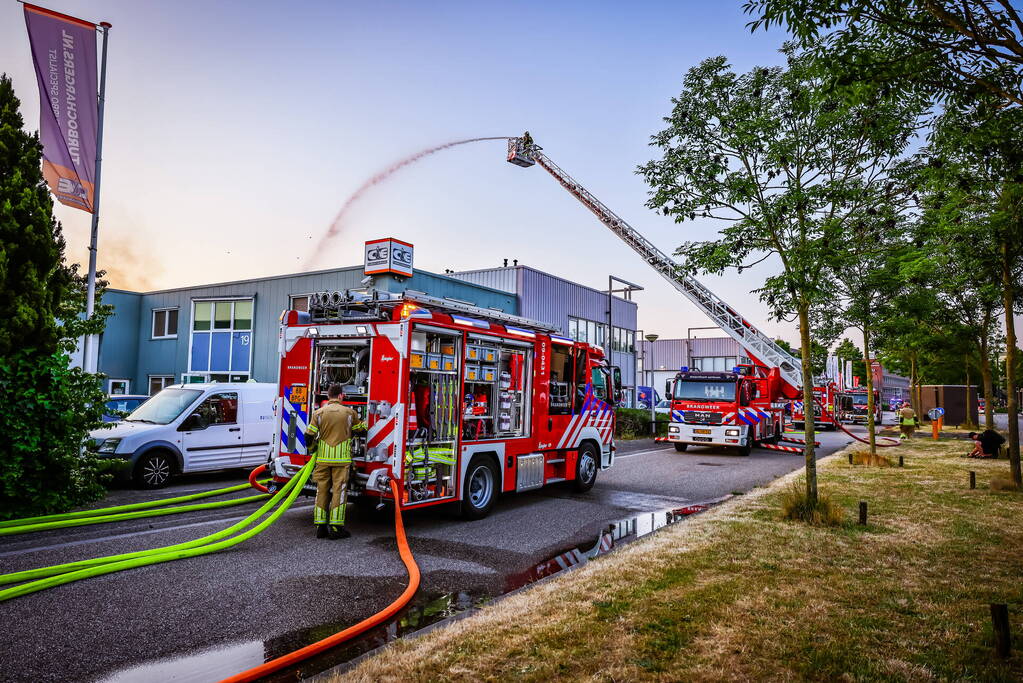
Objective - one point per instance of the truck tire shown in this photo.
(586, 466)
(681, 447)
(745, 450)
(153, 470)
(479, 489)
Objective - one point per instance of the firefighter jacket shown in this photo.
(907, 417)
(332, 425)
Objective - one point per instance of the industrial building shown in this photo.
(228, 331)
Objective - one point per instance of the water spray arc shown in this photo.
(338, 223)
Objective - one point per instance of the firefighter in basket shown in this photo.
(331, 428)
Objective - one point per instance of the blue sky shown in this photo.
(235, 131)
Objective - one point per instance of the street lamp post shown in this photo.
(653, 415)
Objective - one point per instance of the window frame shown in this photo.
(164, 385)
(213, 301)
(291, 302)
(166, 311)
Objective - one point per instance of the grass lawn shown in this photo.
(737, 593)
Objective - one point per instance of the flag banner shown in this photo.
(64, 52)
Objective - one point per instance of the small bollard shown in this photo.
(850, 458)
(973, 479)
(901, 462)
(863, 513)
(1000, 626)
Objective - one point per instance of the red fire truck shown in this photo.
(461, 403)
(829, 397)
(740, 408)
(857, 411)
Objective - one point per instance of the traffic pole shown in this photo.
(90, 347)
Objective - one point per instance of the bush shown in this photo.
(796, 507)
(634, 423)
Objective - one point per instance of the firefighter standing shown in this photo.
(332, 425)
(908, 421)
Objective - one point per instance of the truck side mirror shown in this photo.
(616, 385)
(667, 389)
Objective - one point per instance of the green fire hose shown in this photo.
(71, 572)
(121, 508)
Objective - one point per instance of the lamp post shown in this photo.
(653, 391)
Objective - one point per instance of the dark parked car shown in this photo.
(119, 405)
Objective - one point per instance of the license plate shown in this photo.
(702, 431)
(702, 438)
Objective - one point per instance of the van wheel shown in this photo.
(681, 447)
(479, 490)
(585, 468)
(153, 470)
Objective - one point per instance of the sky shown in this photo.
(235, 131)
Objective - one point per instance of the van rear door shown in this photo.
(257, 420)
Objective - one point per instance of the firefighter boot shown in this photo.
(337, 532)
(322, 531)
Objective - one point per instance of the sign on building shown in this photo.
(388, 256)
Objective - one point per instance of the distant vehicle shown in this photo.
(122, 403)
(980, 404)
(193, 428)
(643, 395)
(663, 407)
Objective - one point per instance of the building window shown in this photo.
(165, 323)
(713, 363)
(158, 382)
(299, 302)
(221, 343)
(117, 386)
(592, 332)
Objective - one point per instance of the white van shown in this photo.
(193, 428)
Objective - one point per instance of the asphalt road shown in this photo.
(205, 618)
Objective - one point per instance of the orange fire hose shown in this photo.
(254, 475)
(340, 637)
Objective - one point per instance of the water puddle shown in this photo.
(218, 663)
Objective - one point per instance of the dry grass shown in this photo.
(796, 507)
(1003, 484)
(876, 460)
(739, 594)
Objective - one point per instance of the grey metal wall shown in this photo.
(551, 299)
(270, 296)
(671, 354)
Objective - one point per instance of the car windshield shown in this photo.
(705, 391)
(165, 407)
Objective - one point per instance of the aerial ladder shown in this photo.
(761, 348)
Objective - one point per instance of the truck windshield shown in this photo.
(165, 407)
(859, 399)
(704, 391)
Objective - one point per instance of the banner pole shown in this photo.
(91, 355)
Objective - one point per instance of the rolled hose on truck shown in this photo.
(57, 575)
(130, 511)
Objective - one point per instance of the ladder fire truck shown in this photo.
(857, 410)
(759, 392)
(461, 403)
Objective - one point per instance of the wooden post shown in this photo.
(850, 458)
(901, 463)
(1000, 626)
(863, 513)
(973, 479)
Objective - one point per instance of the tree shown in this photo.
(948, 48)
(49, 407)
(787, 167)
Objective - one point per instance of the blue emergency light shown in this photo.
(684, 368)
(737, 370)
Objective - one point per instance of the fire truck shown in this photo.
(735, 409)
(857, 411)
(460, 403)
(834, 401)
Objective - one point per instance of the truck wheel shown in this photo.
(479, 490)
(745, 450)
(585, 468)
(681, 447)
(153, 470)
